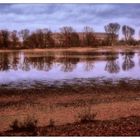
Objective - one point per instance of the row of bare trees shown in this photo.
(44, 38)
(67, 37)
(113, 29)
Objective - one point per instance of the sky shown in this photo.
(54, 16)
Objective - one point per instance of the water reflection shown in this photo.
(4, 62)
(61, 65)
(112, 65)
(39, 63)
(68, 64)
(15, 61)
(128, 62)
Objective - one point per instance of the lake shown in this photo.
(31, 69)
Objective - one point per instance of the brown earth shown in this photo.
(63, 105)
(129, 126)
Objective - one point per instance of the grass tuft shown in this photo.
(29, 124)
(51, 123)
(86, 115)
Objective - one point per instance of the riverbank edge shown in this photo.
(78, 49)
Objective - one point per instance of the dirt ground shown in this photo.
(64, 105)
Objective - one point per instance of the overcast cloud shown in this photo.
(54, 16)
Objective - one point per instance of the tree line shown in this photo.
(67, 37)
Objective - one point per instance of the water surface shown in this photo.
(26, 69)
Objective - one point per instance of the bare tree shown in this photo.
(128, 32)
(48, 39)
(68, 37)
(89, 38)
(14, 39)
(41, 38)
(112, 29)
(24, 34)
(5, 35)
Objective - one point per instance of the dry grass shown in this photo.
(126, 126)
(62, 105)
(51, 123)
(86, 115)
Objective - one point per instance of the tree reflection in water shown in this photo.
(4, 62)
(139, 58)
(128, 62)
(68, 64)
(25, 66)
(17, 61)
(89, 64)
(14, 61)
(67, 61)
(39, 63)
(112, 66)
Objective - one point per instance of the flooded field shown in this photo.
(26, 69)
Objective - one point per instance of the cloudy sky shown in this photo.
(54, 16)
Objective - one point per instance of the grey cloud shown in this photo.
(16, 16)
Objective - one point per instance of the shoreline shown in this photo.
(78, 49)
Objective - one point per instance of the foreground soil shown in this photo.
(129, 126)
(64, 104)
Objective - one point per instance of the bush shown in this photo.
(30, 125)
(86, 116)
(15, 125)
(51, 123)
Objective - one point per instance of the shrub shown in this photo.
(51, 123)
(15, 125)
(29, 124)
(86, 116)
